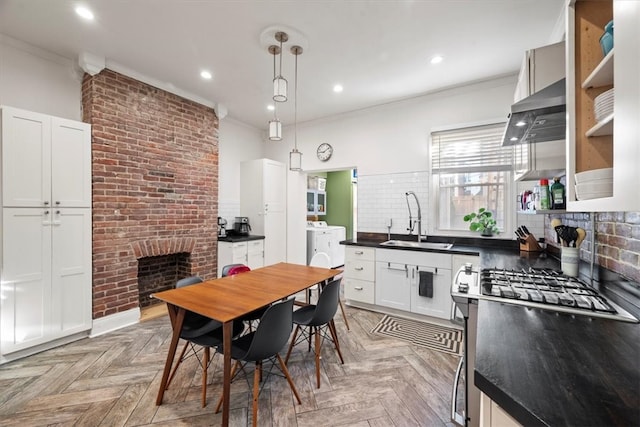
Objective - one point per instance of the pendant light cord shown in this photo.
(295, 107)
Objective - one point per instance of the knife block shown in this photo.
(530, 245)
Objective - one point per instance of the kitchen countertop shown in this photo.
(551, 369)
(235, 239)
(546, 368)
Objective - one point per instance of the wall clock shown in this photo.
(324, 151)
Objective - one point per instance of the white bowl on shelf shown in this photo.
(594, 175)
(589, 196)
(600, 186)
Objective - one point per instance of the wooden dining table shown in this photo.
(229, 298)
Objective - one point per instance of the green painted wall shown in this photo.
(340, 200)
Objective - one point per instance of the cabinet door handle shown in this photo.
(359, 268)
(358, 288)
(359, 253)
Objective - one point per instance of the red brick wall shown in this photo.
(617, 241)
(155, 183)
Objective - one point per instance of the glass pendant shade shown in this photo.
(295, 160)
(279, 89)
(275, 130)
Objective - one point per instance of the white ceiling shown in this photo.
(378, 50)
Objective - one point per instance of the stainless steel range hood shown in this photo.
(539, 117)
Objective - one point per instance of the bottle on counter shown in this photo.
(545, 202)
(558, 200)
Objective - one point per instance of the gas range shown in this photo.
(541, 288)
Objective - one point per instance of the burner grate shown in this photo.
(542, 286)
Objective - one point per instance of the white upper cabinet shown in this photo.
(45, 160)
(614, 142)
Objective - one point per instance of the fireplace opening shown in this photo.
(160, 273)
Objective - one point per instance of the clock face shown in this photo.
(324, 151)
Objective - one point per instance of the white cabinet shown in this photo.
(249, 253)
(45, 263)
(46, 161)
(359, 274)
(398, 281)
(263, 185)
(492, 415)
(316, 202)
(613, 142)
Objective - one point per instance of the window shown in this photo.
(470, 170)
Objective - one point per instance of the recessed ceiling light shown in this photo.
(338, 88)
(513, 138)
(521, 123)
(84, 13)
(271, 107)
(437, 59)
(205, 75)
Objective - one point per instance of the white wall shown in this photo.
(36, 80)
(237, 142)
(394, 139)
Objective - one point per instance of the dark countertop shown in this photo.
(234, 239)
(545, 368)
(552, 369)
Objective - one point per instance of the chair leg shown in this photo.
(334, 335)
(293, 342)
(317, 356)
(285, 371)
(205, 364)
(344, 315)
(233, 372)
(256, 391)
(184, 350)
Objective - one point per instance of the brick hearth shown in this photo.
(155, 184)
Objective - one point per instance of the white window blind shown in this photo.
(471, 149)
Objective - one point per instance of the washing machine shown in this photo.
(322, 237)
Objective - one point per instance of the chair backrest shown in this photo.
(195, 324)
(327, 304)
(321, 259)
(273, 331)
(231, 269)
(188, 281)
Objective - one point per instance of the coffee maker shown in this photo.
(222, 227)
(241, 227)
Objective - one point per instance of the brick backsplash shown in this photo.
(155, 183)
(617, 239)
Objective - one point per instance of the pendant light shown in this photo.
(279, 82)
(275, 126)
(295, 157)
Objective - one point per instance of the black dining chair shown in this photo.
(198, 330)
(264, 343)
(249, 318)
(318, 319)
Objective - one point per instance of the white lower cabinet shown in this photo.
(398, 281)
(46, 276)
(249, 253)
(492, 415)
(359, 274)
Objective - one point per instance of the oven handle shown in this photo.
(455, 417)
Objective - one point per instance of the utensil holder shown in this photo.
(569, 260)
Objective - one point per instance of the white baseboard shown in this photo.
(115, 321)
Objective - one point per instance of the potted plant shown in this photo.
(483, 222)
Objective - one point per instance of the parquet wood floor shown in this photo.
(112, 380)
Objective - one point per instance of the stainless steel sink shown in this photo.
(410, 244)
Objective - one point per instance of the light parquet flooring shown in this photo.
(112, 380)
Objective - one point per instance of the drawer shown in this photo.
(255, 246)
(353, 253)
(361, 270)
(359, 290)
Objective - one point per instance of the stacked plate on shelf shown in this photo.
(594, 184)
(603, 105)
